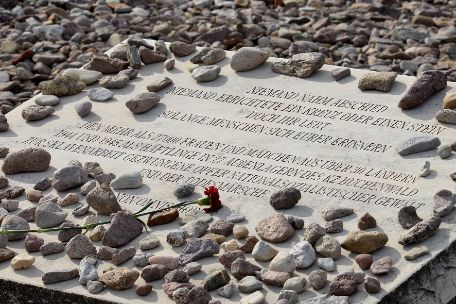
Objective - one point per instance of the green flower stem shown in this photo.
(202, 201)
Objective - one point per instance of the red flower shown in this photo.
(214, 199)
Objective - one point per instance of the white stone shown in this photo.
(86, 76)
(263, 251)
(303, 254)
(47, 100)
(22, 261)
(282, 262)
(127, 180)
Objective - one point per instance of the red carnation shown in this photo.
(214, 199)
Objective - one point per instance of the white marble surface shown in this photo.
(210, 163)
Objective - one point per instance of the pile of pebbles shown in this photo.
(40, 38)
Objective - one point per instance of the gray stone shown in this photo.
(95, 287)
(88, 186)
(124, 228)
(176, 237)
(303, 254)
(340, 73)
(81, 210)
(51, 248)
(87, 270)
(444, 201)
(80, 246)
(297, 284)
(149, 242)
(318, 279)
(159, 84)
(142, 102)
(127, 180)
(69, 177)
(14, 222)
(47, 100)
(290, 295)
(328, 299)
(133, 57)
(447, 116)
(249, 284)
(192, 268)
(83, 108)
(180, 49)
(330, 214)
(421, 231)
(123, 255)
(283, 262)
(407, 217)
(285, 198)
(300, 65)
(444, 151)
(263, 251)
(59, 276)
(195, 229)
(141, 260)
(255, 298)
(184, 190)
(206, 73)
(382, 266)
(169, 64)
(248, 58)
(86, 76)
(100, 94)
(227, 291)
(326, 264)
(114, 82)
(196, 249)
(417, 144)
(103, 200)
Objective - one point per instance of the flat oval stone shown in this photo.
(127, 180)
(181, 49)
(86, 76)
(159, 84)
(115, 82)
(100, 94)
(47, 100)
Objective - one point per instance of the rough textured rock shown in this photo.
(6, 254)
(14, 222)
(313, 232)
(416, 252)
(59, 276)
(222, 227)
(149, 56)
(124, 228)
(421, 231)
(303, 254)
(36, 112)
(380, 81)
(241, 268)
(196, 249)
(340, 73)
(330, 214)
(366, 221)
(334, 226)
(181, 49)
(263, 251)
(118, 81)
(343, 285)
(328, 247)
(426, 84)
(103, 200)
(274, 278)
(318, 279)
(327, 299)
(444, 201)
(407, 217)
(80, 246)
(275, 229)
(417, 144)
(69, 177)
(100, 94)
(119, 279)
(49, 215)
(372, 285)
(300, 65)
(297, 284)
(283, 262)
(227, 258)
(4, 126)
(22, 261)
(106, 65)
(26, 160)
(249, 284)
(364, 261)
(248, 58)
(364, 242)
(86, 76)
(382, 266)
(62, 86)
(123, 255)
(285, 198)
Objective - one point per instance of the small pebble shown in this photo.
(47, 100)
(445, 151)
(100, 94)
(83, 108)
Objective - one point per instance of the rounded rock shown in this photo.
(248, 58)
(100, 94)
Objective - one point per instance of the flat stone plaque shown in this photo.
(250, 134)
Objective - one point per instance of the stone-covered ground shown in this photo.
(40, 38)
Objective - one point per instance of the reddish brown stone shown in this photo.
(163, 217)
(143, 290)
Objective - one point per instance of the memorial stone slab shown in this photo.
(250, 134)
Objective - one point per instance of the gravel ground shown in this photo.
(41, 38)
